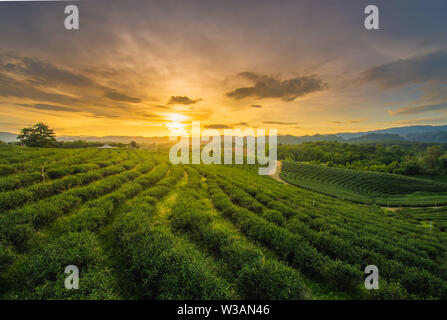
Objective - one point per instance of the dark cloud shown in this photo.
(346, 122)
(269, 87)
(279, 122)
(87, 112)
(217, 126)
(102, 115)
(241, 124)
(255, 106)
(148, 115)
(48, 107)
(162, 107)
(421, 69)
(419, 109)
(182, 100)
(40, 81)
(10, 87)
(43, 73)
(113, 95)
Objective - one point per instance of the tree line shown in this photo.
(40, 135)
(408, 159)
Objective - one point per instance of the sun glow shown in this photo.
(175, 117)
(175, 125)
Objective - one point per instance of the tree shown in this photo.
(430, 160)
(38, 135)
(443, 160)
(134, 145)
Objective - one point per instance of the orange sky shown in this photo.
(145, 68)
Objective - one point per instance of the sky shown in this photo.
(145, 68)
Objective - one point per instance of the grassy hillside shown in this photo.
(139, 227)
(364, 186)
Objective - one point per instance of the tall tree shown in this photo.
(39, 135)
(430, 160)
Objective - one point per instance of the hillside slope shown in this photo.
(366, 186)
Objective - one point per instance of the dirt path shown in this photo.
(278, 171)
(397, 208)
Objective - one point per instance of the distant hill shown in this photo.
(402, 131)
(8, 137)
(435, 134)
(288, 139)
(11, 137)
(121, 139)
(377, 137)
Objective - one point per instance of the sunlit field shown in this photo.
(141, 228)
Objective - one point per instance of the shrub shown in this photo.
(270, 280)
(274, 216)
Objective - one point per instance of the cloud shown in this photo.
(419, 109)
(279, 122)
(48, 107)
(438, 119)
(347, 121)
(217, 126)
(102, 115)
(255, 106)
(87, 112)
(241, 124)
(113, 95)
(431, 67)
(55, 88)
(148, 115)
(10, 87)
(42, 81)
(162, 107)
(182, 100)
(43, 73)
(269, 87)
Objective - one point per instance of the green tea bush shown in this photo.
(40, 274)
(161, 266)
(247, 261)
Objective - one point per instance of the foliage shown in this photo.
(401, 158)
(39, 135)
(139, 227)
(365, 186)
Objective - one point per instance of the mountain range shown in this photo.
(436, 134)
(401, 131)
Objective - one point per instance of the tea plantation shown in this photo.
(366, 186)
(138, 227)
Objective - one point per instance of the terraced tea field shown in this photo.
(364, 186)
(139, 227)
(429, 217)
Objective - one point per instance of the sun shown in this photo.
(175, 117)
(175, 125)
